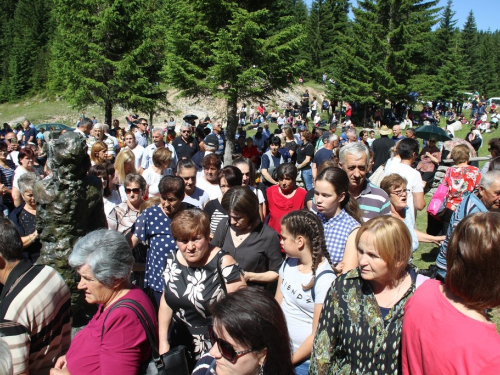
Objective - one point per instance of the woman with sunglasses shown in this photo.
(124, 215)
(249, 337)
(195, 276)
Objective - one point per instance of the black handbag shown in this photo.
(172, 362)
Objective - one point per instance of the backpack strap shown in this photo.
(313, 294)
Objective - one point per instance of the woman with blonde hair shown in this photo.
(359, 329)
(99, 153)
(124, 165)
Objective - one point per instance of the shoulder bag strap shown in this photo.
(148, 328)
(313, 294)
(223, 234)
(219, 272)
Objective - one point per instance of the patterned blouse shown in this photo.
(353, 337)
(461, 181)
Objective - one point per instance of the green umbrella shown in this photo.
(431, 131)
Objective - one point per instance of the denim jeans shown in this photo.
(303, 368)
(307, 178)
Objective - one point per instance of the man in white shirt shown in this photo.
(158, 142)
(408, 150)
(186, 170)
(138, 150)
(281, 120)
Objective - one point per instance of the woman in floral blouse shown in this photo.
(192, 283)
(359, 330)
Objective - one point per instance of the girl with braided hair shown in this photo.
(305, 278)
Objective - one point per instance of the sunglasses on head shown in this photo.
(226, 349)
(134, 190)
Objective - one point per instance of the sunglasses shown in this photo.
(187, 131)
(226, 349)
(134, 190)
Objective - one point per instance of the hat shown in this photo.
(211, 140)
(384, 130)
(325, 135)
(301, 128)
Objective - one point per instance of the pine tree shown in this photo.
(109, 52)
(470, 46)
(230, 50)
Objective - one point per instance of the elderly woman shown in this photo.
(153, 227)
(160, 168)
(395, 187)
(24, 217)
(229, 177)
(249, 336)
(430, 157)
(114, 340)
(284, 197)
(124, 215)
(446, 329)
(124, 165)
(359, 330)
(195, 276)
(460, 179)
(254, 245)
(247, 168)
(99, 153)
(26, 157)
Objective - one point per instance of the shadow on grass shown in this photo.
(430, 257)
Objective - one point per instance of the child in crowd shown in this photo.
(305, 278)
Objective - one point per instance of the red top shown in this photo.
(124, 345)
(439, 339)
(460, 180)
(279, 206)
(251, 153)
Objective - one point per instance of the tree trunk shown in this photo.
(108, 113)
(232, 125)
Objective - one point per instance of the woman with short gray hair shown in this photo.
(24, 217)
(114, 340)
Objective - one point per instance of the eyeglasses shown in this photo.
(187, 131)
(143, 123)
(432, 140)
(226, 349)
(400, 193)
(134, 190)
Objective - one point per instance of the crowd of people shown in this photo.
(294, 259)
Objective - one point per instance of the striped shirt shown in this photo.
(35, 317)
(373, 202)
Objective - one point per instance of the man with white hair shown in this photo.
(116, 145)
(98, 135)
(185, 145)
(158, 141)
(372, 201)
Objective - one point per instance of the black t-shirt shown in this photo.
(309, 197)
(321, 155)
(185, 150)
(303, 151)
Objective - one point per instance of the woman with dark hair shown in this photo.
(290, 142)
(247, 168)
(363, 136)
(156, 171)
(26, 158)
(229, 177)
(305, 154)
(153, 226)
(254, 245)
(195, 276)
(249, 336)
(284, 197)
(446, 328)
(494, 149)
(359, 330)
(339, 214)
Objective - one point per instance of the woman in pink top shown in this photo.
(446, 329)
(114, 341)
(284, 197)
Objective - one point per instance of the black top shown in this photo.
(259, 252)
(322, 155)
(309, 197)
(185, 150)
(381, 149)
(306, 149)
(216, 213)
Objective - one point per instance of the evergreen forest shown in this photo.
(128, 52)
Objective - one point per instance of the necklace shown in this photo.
(393, 301)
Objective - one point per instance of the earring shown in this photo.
(261, 370)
